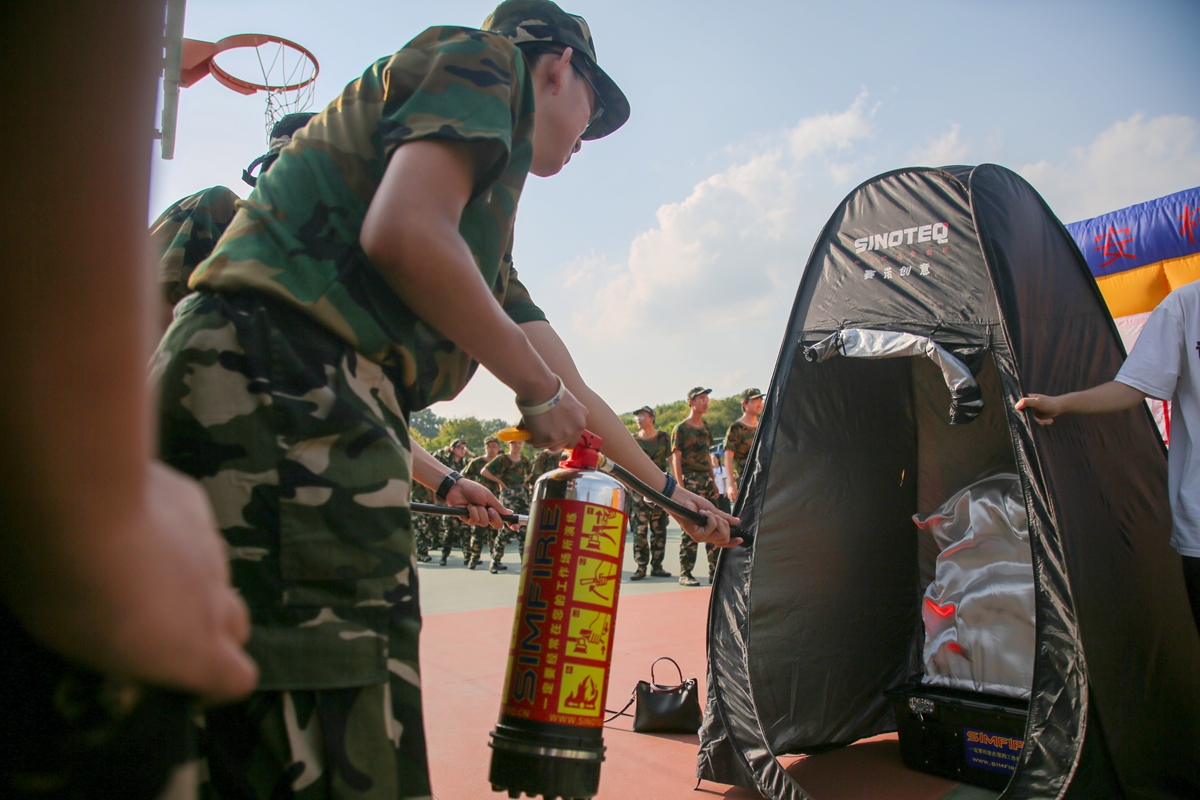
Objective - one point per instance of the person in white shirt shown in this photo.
(720, 477)
(1164, 364)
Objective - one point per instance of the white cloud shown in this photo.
(946, 149)
(1132, 161)
(734, 248)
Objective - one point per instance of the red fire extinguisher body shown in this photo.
(548, 740)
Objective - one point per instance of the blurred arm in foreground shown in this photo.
(108, 558)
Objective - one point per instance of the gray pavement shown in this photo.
(456, 588)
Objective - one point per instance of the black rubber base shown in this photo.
(519, 773)
(550, 777)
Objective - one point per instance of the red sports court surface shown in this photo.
(463, 656)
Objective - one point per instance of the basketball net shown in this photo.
(281, 67)
(255, 62)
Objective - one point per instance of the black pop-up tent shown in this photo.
(926, 272)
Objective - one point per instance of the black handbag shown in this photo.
(664, 709)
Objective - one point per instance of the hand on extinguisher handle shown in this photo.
(633, 482)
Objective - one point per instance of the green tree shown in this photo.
(471, 430)
(426, 423)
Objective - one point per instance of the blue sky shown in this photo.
(667, 255)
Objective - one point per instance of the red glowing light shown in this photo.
(957, 648)
(943, 611)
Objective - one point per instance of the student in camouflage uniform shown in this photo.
(427, 528)
(650, 532)
(454, 531)
(690, 441)
(474, 471)
(740, 437)
(544, 461)
(510, 472)
(185, 234)
(319, 324)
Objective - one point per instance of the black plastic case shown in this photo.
(970, 737)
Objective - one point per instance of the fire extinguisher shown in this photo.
(548, 739)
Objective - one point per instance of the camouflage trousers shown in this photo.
(428, 530)
(700, 483)
(316, 744)
(650, 535)
(455, 533)
(516, 499)
(302, 447)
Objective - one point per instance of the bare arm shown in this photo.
(1103, 399)
(410, 233)
(677, 466)
(730, 481)
(466, 493)
(107, 557)
(487, 474)
(618, 444)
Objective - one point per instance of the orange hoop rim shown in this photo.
(255, 40)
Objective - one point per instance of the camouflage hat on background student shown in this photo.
(696, 392)
(646, 410)
(530, 23)
(749, 394)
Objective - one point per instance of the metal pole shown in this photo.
(173, 36)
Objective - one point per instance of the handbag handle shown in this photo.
(654, 684)
(621, 713)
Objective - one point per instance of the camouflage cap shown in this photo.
(645, 410)
(491, 439)
(694, 393)
(749, 394)
(456, 443)
(532, 21)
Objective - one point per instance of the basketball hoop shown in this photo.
(255, 62)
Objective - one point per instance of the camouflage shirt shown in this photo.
(421, 494)
(544, 462)
(297, 236)
(694, 444)
(184, 235)
(447, 458)
(738, 441)
(474, 471)
(512, 473)
(658, 448)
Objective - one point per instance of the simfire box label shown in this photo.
(992, 751)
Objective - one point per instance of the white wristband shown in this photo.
(542, 408)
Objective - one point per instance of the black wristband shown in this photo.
(447, 484)
(669, 487)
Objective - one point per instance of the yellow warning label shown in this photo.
(581, 690)
(595, 581)
(588, 634)
(601, 531)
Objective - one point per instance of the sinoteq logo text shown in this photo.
(935, 232)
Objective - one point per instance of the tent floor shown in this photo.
(463, 656)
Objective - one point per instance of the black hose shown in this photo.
(620, 473)
(658, 498)
(448, 511)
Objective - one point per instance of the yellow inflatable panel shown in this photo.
(1181, 271)
(1137, 290)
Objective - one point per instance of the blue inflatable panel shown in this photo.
(1140, 235)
